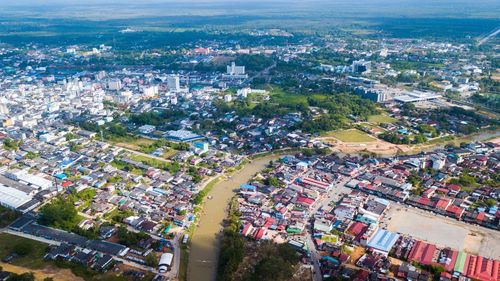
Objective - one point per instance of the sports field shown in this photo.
(381, 118)
(351, 135)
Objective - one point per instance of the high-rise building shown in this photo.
(233, 69)
(361, 66)
(114, 84)
(173, 83)
(374, 95)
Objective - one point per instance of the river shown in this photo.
(204, 250)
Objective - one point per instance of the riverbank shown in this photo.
(203, 253)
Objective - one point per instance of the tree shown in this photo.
(60, 213)
(23, 249)
(28, 276)
(151, 260)
(273, 181)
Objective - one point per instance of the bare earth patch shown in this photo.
(443, 231)
(56, 273)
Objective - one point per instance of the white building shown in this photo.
(233, 69)
(114, 85)
(228, 98)
(173, 83)
(146, 129)
(13, 198)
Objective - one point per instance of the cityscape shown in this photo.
(249, 140)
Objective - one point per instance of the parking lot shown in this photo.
(443, 231)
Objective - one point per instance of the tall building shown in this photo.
(114, 84)
(233, 69)
(374, 95)
(361, 66)
(173, 83)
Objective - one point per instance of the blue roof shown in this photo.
(247, 186)
(383, 240)
(60, 176)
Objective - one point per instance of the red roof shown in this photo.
(305, 200)
(454, 187)
(269, 221)
(66, 183)
(422, 253)
(259, 234)
(455, 210)
(481, 216)
(316, 183)
(246, 229)
(424, 201)
(443, 203)
(482, 268)
(356, 228)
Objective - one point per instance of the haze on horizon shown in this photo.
(93, 9)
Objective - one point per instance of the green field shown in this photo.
(351, 135)
(32, 251)
(381, 118)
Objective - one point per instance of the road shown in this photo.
(57, 243)
(264, 72)
(137, 152)
(334, 194)
(488, 37)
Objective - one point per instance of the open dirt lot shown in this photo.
(55, 273)
(376, 146)
(443, 231)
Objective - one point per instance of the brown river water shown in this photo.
(204, 250)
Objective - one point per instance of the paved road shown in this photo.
(57, 243)
(488, 37)
(334, 194)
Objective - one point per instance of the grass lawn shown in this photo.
(33, 260)
(351, 135)
(133, 143)
(168, 153)
(381, 118)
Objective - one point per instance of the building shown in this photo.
(383, 241)
(361, 66)
(182, 135)
(228, 98)
(374, 95)
(173, 83)
(114, 85)
(146, 129)
(416, 96)
(165, 262)
(233, 69)
(13, 198)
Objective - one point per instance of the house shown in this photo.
(423, 253)
(383, 241)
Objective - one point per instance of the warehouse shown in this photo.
(13, 198)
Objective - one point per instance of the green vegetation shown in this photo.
(198, 199)
(381, 118)
(465, 181)
(129, 238)
(30, 252)
(160, 118)
(60, 213)
(11, 144)
(232, 249)
(172, 167)
(351, 135)
(275, 262)
(7, 216)
(124, 166)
